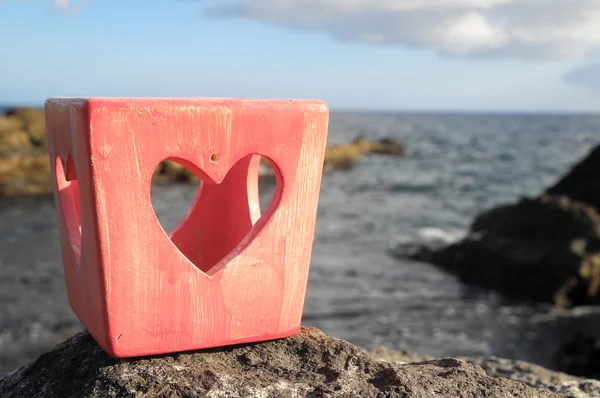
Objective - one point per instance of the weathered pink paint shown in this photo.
(225, 275)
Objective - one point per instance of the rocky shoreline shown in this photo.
(25, 164)
(309, 364)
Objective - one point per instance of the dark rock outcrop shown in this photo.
(579, 354)
(309, 364)
(582, 182)
(545, 248)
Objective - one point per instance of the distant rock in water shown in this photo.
(25, 164)
(309, 364)
(545, 248)
(24, 160)
(344, 156)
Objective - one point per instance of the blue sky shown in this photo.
(370, 56)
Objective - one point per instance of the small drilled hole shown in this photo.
(214, 157)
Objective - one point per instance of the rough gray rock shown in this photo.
(309, 364)
(538, 377)
(533, 375)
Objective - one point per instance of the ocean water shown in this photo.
(457, 166)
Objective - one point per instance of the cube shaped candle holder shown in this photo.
(227, 274)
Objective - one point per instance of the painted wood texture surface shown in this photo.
(226, 274)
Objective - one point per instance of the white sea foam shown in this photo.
(434, 237)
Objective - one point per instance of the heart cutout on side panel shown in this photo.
(69, 202)
(208, 223)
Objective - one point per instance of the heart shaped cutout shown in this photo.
(69, 202)
(222, 219)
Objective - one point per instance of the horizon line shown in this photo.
(407, 111)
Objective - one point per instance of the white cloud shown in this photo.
(528, 29)
(62, 3)
(69, 5)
